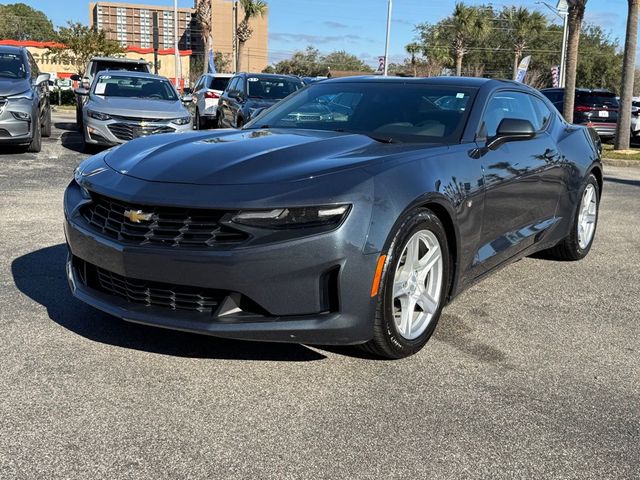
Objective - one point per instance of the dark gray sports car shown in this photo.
(354, 226)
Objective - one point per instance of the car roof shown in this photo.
(440, 80)
(219, 75)
(11, 49)
(269, 75)
(128, 73)
(579, 90)
(118, 59)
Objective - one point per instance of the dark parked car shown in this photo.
(248, 93)
(350, 228)
(597, 109)
(25, 112)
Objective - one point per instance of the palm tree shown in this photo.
(468, 25)
(524, 27)
(251, 9)
(576, 15)
(626, 92)
(203, 14)
(413, 49)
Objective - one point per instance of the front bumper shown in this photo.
(114, 132)
(310, 290)
(13, 130)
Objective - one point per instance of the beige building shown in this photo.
(46, 63)
(255, 56)
(131, 24)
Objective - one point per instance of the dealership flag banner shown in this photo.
(522, 68)
(212, 64)
(555, 76)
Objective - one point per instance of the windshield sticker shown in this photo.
(253, 79)
(460, 95)
(100, 87)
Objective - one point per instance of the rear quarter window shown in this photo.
(218, 83)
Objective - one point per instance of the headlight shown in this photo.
(26, 95)
(302, 217)
(98, 115)
(181, 120)
(21, 116)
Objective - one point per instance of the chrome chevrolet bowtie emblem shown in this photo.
(138, 216)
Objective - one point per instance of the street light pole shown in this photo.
(386, 43)
(561, 10)
(176, 41)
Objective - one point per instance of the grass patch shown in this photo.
(608, 152)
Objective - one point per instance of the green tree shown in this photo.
(203, 15)
(523, 28)
(341, 60)
(576, 16)
(306, 63)
(21, 22)
(79, 43)
(628, 74)
(252, 9)
(413, 49)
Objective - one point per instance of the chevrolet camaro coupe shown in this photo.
(356, 226)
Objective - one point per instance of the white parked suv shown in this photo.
(206, 94)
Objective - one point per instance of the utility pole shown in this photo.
(235, 36)
(562, 11)
(176, 43)
(386, 43)
(156, 42)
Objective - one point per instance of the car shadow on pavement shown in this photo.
(41, 276)
(623, 181)
(71, 137)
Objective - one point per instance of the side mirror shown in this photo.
(187, 98)
(257, 112)
(187, 91)
(76, 78)
(510, 130)
(43, 77)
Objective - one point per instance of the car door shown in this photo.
(236, 101)
(223, 103)
(523, 179)
(198, 93)
(40, 90)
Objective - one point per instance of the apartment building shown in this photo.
(131, 24)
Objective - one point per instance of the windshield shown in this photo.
(134, 87)
(218, 83)
(271, 88)
(594, 99)
(399, 112)
(12, 66)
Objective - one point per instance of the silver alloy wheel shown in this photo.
(417, 284)
(587, 216)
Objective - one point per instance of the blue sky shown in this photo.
(357, 26)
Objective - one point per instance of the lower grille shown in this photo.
(149, 293)
(4, 133)
(129, 131)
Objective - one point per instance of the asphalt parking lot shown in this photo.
(534, 373)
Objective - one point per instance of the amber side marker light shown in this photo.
(376, 278)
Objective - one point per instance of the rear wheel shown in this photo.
(46, 125)
(201, 123)
(36, 141)
(415, 282)
(577, 244)
(239, 123)
(79, 114)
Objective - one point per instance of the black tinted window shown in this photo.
(218, 83)
(396, 111)
(509, 105)
(12, 66)
(272, 88)
(125, 66)
(597, 99)
(543, 113)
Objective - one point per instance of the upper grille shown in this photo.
(167, 226)
(149, 293)
(129, 131)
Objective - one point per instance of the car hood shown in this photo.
(240, 157)
(13, 86)
(137, 107)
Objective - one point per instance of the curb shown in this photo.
(620, 162)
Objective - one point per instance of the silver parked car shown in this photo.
(127, 105)
(206, 93)
(25, 112)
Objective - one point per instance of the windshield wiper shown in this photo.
(372, 137)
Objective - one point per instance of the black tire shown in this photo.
(239, 122)
(569, 248)
(79, 115)
(46, 125)
(201, 123)
(387, 342)
(36, 141)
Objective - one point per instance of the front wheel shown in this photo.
(36, 141)
(414, 286)
(46, 125)
(577, 244)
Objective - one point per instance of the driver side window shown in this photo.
(508, 105)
